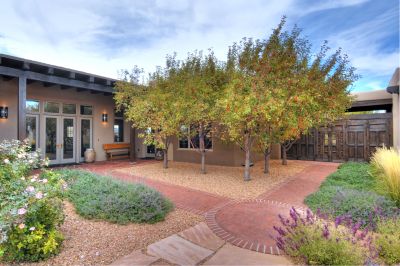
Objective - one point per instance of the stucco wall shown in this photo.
(9, 98)
(102, 132)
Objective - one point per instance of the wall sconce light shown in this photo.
(3, 112)
(104, 118)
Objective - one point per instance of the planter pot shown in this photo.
(90, 155)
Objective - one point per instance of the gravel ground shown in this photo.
(221, 180)
(89, 242)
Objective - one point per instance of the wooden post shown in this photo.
(21, 108)
(330, 143)
(366, 141)
(132, 150)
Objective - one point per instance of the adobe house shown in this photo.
(64, 112)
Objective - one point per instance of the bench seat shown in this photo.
(117, 150)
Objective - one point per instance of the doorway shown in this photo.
(59, 139)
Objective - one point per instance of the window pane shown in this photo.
(85, 136)
(50, 107)
(69, 109)
(68, 147)
(51, 138)
(32, 106)
(86, 110)
(118, 130)
(31, 129)
(184, 142)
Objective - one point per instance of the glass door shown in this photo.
(59, 139)
(86, 135)
(68, 140)
(51, 139)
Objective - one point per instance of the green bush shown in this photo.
(99, 197)
(312, 241)
(387, 241)
(30, 205)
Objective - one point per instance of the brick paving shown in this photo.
(246, 224)
(249, 223)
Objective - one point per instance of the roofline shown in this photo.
(24, 60)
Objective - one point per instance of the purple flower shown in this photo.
(338, 221)
(325, 231)
(21, 211)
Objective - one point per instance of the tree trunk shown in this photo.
(247, 149)
(284, 158)
(165, 160)
(267, 156)
(202, 150)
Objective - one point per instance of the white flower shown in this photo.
(21, 211)
(44, 181)
(23, 178)
(30, 189)
(30, 161)
(6, 161)
(19, 156)
(32, 228)
(39, 195)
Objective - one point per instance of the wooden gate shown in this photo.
(352, 139)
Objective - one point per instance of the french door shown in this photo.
(86, 140)
(59, 139)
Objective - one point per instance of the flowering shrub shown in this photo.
(30, 205)
(387, 241)
(314, 241)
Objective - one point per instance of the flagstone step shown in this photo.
(201, 235)
(179, 251)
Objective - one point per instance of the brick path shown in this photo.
(249, 223)
(244, 223)
(192, 200)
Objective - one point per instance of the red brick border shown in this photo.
(212, 223)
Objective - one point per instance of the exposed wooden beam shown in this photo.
(48, 84)
(91, 79)
(54, 79)
(63, 87)
(7, 78)
(72, 75)
(26, 66)
(50, 71)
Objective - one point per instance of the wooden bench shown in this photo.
(117, 150)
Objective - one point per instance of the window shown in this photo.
(32, 106)
(194, 142)
(31, 131)
(118, 130)
(86, 110)
(69, 109)
(51, 107)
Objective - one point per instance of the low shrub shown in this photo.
(313, 241)
(100, 197)
(387, 241)
(360, 206)
(30, 205)
(386, 169)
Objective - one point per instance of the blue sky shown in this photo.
(103, 36)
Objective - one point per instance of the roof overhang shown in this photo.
(393, 87)
(14, 67)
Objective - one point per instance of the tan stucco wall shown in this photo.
(9, 98)
(102, 132)
(372, 95)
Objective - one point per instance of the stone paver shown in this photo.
(201, 235)
(232, 255)
(135, 258)
(178, 251)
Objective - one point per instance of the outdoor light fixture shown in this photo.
(104, 118)
(3, 112)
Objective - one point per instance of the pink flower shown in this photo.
(39, 195)
(30, 189)
(44, 181)
(21, 211)
(6, 161)
(21, 226)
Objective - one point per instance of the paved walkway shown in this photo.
(247, 224)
